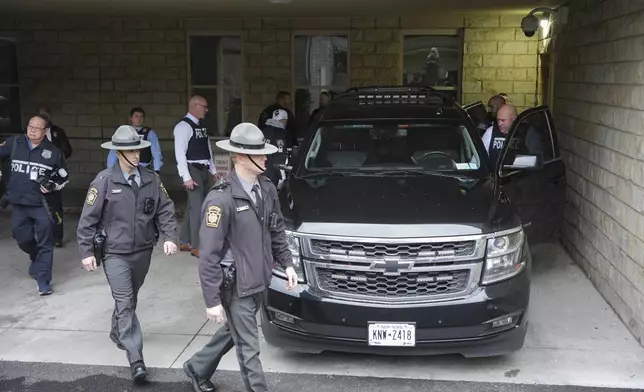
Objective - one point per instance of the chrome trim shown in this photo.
(474, 263)
(475, 270)
(479, 248)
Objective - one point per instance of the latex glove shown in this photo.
(292, 278)
(216, 314)
(169, 248)
(89, 263)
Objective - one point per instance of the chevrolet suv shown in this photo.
(407, 239)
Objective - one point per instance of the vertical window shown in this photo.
(216, 70)
(320, 64)
(433, 61)
(10, 121)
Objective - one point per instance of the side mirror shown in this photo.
(525, 162)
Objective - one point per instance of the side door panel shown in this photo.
(538, 196)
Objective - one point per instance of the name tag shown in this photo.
(117, 190)
(243, 208)
(33, 175)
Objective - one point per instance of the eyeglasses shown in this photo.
(32, 128)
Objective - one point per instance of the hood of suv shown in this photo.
(449, 205)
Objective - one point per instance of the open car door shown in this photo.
(533, 175)
(479, 115)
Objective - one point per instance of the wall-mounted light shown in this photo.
(530, 23)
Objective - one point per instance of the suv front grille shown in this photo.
(403, 250)
(405, 285)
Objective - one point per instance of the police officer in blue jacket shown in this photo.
(34, 158)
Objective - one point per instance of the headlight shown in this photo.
(294, 246)
(503, 257)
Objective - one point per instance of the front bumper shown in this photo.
(302, 321)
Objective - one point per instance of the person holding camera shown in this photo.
(125, 207)
(241, 234)
(37, 168)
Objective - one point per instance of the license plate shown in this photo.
(392, 334)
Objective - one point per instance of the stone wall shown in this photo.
(599, 111)
(92, 71)
(499, 58)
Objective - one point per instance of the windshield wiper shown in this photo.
(328, 173)
(418, 171)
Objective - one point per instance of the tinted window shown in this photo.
(381, 146)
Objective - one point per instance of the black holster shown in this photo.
(99, 248)
(228, 284)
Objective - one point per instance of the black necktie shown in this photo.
(258, 200)
(133, 183)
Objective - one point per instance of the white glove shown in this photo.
(216, 314)
(169, 248)
(89, 263)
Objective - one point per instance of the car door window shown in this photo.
(532, 134)
(478, 112)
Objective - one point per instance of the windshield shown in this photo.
(396, 147)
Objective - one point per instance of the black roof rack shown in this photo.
(374, 95)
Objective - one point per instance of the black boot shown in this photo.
(139, 371)
(198, 385)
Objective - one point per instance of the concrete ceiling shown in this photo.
(252, 8)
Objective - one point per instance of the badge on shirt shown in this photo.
(46, 154)
(213, 216)
(92, 195)
(243, 208)
(33, 175)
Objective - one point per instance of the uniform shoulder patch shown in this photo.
(92, 195)
(213, 216)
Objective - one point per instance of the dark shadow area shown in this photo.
(19, 377)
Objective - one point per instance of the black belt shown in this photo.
(200, 166)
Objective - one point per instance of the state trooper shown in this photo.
(241, 234)
(37, 168)
(124, 206)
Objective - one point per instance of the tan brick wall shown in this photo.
(599, 112)
(92, 71)
(499, 58)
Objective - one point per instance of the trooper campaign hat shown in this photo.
(126, 138)
(247, 139)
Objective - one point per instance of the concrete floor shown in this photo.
(574, 337)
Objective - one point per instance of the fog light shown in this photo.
(284, 318)
(502, 322)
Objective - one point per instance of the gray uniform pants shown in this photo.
(192, 218)
(240, 331)
(125, 275)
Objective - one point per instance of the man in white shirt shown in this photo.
(196, 165)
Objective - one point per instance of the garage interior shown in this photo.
(91, 66)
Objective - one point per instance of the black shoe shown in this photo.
(58, 244)
(139, 371)
(197, 384)
(116, 341)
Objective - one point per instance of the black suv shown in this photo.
(406, 238)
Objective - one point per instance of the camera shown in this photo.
(529, 25)
(53, 180)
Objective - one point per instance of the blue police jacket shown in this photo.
(26, 165)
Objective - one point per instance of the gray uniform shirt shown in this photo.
(231, 222)
(129, 219)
